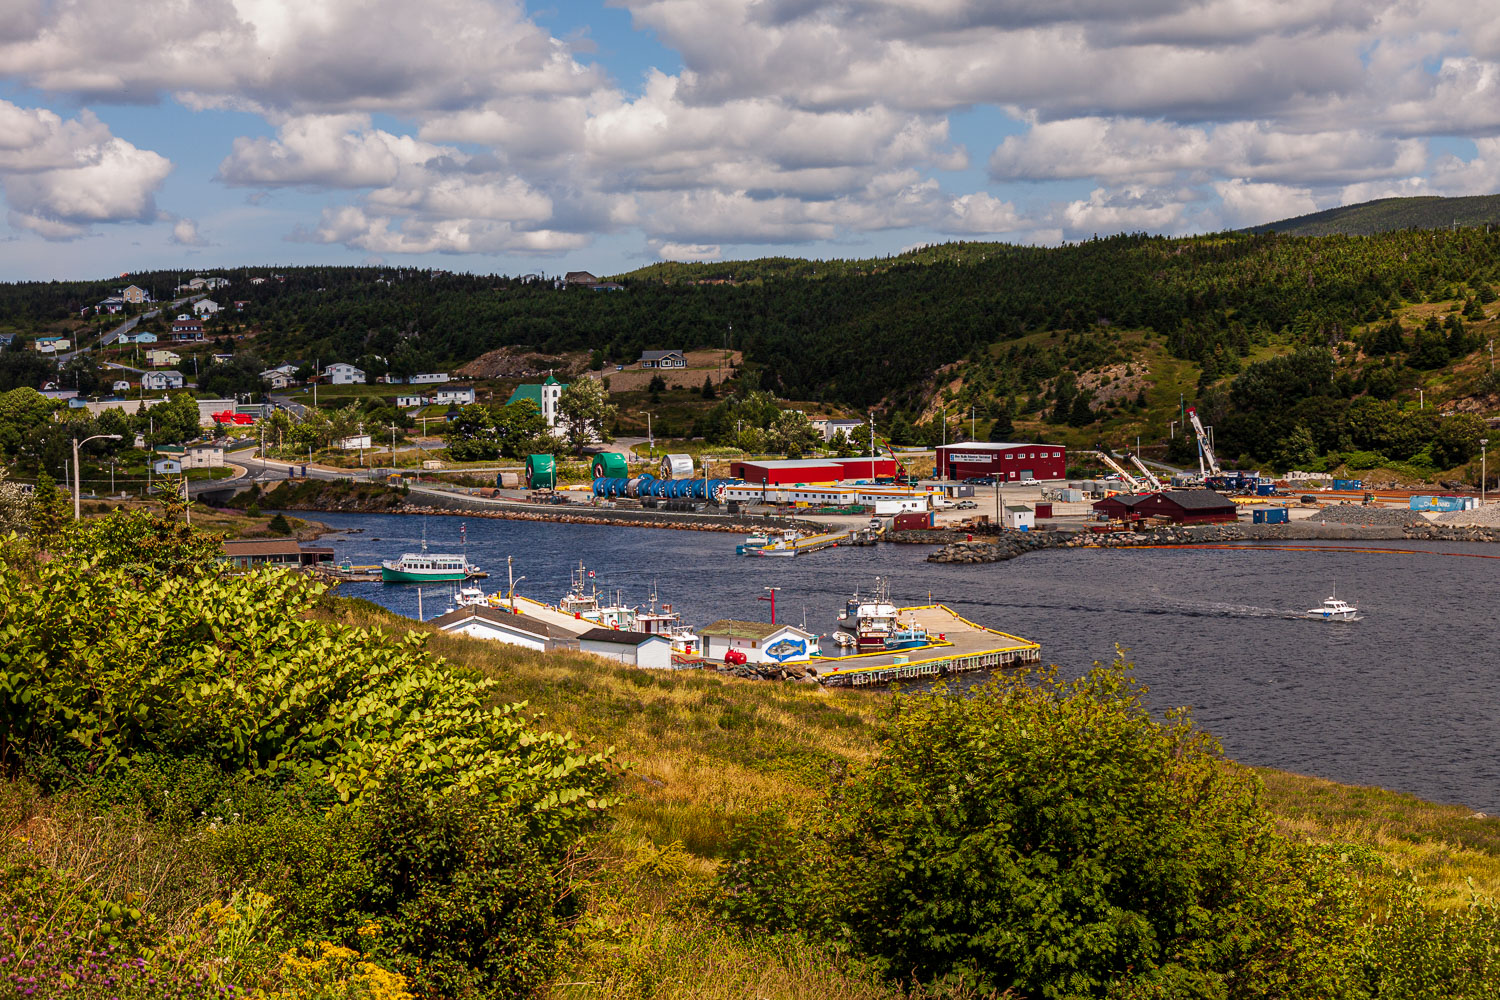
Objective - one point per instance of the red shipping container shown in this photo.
(1043, 510)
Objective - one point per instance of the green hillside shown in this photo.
(1388, 214)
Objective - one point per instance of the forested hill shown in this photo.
(1389, 214)
(855, 332)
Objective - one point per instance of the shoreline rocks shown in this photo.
(1016, 543)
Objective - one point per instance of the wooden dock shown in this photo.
(958, 646)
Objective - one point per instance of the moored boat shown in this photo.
(427, 567)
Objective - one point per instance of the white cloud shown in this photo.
(384, 234)
(687, 251)
(332, 55)
(185, 233)
(337, 151)
(1247, 204)
(1134, 208)
(60, 176)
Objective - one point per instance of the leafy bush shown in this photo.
(1050, 837)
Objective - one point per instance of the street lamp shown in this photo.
(1484, 467)
(77, 510)
(650, 440)
(1421, 397)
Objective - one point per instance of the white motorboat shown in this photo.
(1333, 610)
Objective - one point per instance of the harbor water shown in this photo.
(1407, 698)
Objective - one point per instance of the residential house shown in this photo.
(343, 374)
(639, 649)
(156, 381)
(257, 281)
(425, 378)
(663, 359)
(136, 295)
(205, 307)
(51, 345)
(607, 286)
(167, 467)
(112, 305)
(502, 626)
(457, 395)
(204, 456)
(161, 357)
(141, 337)
(545, 398)
(221, 359)
(187, 328)
(829, 427)
(240, 304)
(580, 278)
(406, 402)
(7, 339)
(53, 392)
(120, 386)
(277, 380)
(760, 642)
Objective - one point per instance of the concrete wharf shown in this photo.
(958, 646)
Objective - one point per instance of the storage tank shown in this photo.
(541, 472)
(507, 480)
(610, 464)
(677, 467)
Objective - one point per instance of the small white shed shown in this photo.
(1019, 517)
(502, 626)
(639, 649)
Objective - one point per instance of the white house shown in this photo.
(168, 467)
(1020, 517)
(639, 649)
(120, 386)
(829, 427)
(204, 456)
(502, 626)
(205, 307)
(158, 380)
(343, 374)
(460, 395)
(663, 359)
(406, 402)
(277, 380)
(427, 378)
(760, 642)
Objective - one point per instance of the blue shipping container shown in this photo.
(1273, 515)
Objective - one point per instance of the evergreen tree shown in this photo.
(708, 388)
(1003, 427)
(280, 525)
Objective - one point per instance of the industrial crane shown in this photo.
(1129, 480)
(1151, 479)
(1205, 450)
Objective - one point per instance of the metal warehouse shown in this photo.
(1007, 461)
(795, 470)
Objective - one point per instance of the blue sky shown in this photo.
(491, 135)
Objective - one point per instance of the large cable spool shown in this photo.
(677, 466)
(541, 472)
(610, 464)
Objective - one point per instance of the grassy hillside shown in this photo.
(1386, 214)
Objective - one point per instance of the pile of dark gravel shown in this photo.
(1348, 513)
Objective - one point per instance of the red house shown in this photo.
(1007, 462)
(1187, 507)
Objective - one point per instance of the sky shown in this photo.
(499, 136)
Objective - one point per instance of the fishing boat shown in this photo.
(668, 623)
(1333, 610)
(907, 635)
(773, 544)
(870, 619)
(582, 601)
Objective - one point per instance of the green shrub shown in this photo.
(1050, 837)
(1361, 460)
(279, 525)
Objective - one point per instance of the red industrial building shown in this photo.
(774, 472)
(1006, 461)
(1177, 506)
(778, 473)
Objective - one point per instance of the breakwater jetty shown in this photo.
(1010, 544)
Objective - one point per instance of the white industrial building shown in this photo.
(639, 649)
(759, 641)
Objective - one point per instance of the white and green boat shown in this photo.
(427, 567)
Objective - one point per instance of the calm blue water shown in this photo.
(1408, 698)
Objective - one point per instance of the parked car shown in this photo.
(981, 480)
(967, 505)
(1031, 482)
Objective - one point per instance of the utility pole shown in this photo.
(972, 435)
(77, 481)
(1484, 467)
(872, 446)
(772, 599)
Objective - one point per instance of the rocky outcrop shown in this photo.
(767, 671)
